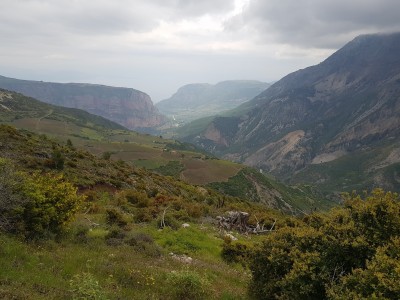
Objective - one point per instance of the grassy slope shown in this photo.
(355, 171)
(290, 199)
(98, 135)
(43, 270)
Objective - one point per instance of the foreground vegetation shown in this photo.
(75, 225)
(352, 252)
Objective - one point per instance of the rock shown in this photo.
(233, 238)
(182, 258)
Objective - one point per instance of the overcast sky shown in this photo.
(157, 46)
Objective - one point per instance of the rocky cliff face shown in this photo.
(128, 107)
(347, 106)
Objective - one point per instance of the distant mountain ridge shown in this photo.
(315, 119)
(199, 100)
(102, 137)
(131, 108)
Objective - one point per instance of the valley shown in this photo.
(195, 101)
(288, 191)
(339, 115)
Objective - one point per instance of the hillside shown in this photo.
(335, 124)
(194, 101)
(181, 161)
(116, 236)
(131, 108)
(131, 234)
(74, 225)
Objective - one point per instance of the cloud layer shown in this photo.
(158, 45)
(317, 23)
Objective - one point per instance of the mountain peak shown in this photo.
(346, 108)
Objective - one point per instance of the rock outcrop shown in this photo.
(128, 107)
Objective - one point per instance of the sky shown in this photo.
(157, 46)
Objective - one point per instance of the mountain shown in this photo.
(197, 100)
(180, 161)
(131, 108)
(30, 113)
(336, 124)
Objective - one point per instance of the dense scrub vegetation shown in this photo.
(35, 204)
(97, 228)
(352, 252)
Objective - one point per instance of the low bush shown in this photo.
(115, 217)
(85, 286)
(349, 253)
(144, 243)
(35, 204)
(187, 285)
(235, 252)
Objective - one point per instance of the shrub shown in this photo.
(11, 201)
(35, 204)
(139, 199)
(345, 253)
(187, 285)
(57, 159)
(85, 286)
(380, 279)
(144, 243)
(80, 233)
(234, 252)
(114, 216)
(106, 155)
(115, 237)
(143, 215)
(52, 203)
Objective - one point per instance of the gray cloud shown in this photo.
(145, 44)
(317, 23)
(27, 17)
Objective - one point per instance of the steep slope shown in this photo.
(346, 106)
(19, 109)
(111, 141)
(131, 108)
(199, 100)
(101, 136)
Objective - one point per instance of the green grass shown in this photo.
(250, 184)
(172, 168)
(142, 150)
(193, 241)
(44, 270)
(195, 127)
(352, 172)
